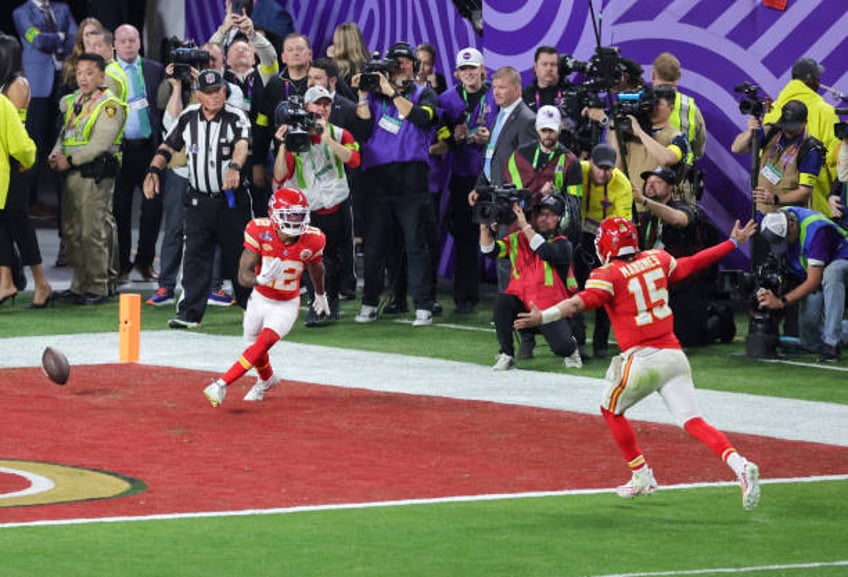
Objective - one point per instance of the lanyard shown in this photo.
(83, 112)
(792, 150)
(474, 115)
(536, 158)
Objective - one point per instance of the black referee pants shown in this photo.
(208, 223)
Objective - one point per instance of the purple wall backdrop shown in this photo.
(719, 43)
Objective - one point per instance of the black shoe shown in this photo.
(600, 353)
(828, 354)
(312, 318)
(91, 299)
(584, 354)
(394, 307)
(463, 309)
(436, 309)
(66, 295)
(526, 347)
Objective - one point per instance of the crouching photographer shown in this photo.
(541, 273)
(816, 251)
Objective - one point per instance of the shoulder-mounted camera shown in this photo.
(302, 123)
(494, 204)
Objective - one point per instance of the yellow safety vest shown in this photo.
(80, 133)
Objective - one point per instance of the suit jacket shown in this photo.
(518, 129)
(154, 75)
(39, 46)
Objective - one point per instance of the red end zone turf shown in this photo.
(311, 445)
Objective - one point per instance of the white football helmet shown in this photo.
(289, 211)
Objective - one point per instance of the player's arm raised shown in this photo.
(704, 258)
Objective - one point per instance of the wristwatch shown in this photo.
(234, 166)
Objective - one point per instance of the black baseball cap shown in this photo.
(806, 69)
(210, 80)
(793, 115)
(604, 155)
(664, 173)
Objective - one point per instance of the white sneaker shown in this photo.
(749, 481)
(573, 361)
(257, 391)
(215, 393)
(504, 363)
(367, 314)
(423, 318)
(641, 483)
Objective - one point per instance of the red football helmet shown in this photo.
(289, 211)
(616, 236)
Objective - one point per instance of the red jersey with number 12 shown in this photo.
(260, 237)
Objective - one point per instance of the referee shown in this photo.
(215, 136)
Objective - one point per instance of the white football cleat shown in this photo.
(641, 483)
(574, 361)
(749, 481)
(215, 393)
(257, 391)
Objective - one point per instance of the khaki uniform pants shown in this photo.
(89, 233)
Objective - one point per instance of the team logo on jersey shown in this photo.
(26, 483)
(225, 150)
(306, 254)
(266, 235)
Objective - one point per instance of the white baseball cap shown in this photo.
(548, 117)
(773, 228)
(469, 57)
(316, 93)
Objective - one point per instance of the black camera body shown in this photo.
(185, 55)
(752, 103)
(602, 71)
(302, 124)
(764, 326)
(369, 80)
(638, 104)
(494, 204)
(840, 129)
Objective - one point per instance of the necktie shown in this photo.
(138, 92)
(48, 18)
(493, 141)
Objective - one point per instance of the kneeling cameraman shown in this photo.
(541, 261)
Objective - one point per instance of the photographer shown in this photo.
(649, 140)
(790, 160)
(549, 168)
(821, 116)
(686, 116)
(816, 251)
(319, 173)
(837, 198)
(467, 117)
(668, 222)
(540, 259)
(237, 23)
(395, 165)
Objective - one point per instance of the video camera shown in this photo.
(494, 204)
(752, 103)
(840, 129)
(369, 80)
(185, 55)
(637, 104)
(602, 71)
(763, 328)
(302, 124)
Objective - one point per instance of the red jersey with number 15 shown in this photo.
(260, 236)
(635, 293)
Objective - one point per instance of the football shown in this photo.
(55, 365)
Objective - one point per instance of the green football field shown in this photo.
(697, 529)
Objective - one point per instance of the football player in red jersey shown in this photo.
(633, 287)
(277, 249)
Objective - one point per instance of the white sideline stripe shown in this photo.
(399, 503)
(807, 365)
(751, 569)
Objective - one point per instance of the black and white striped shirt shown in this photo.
(209, 144)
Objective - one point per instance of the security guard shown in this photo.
(87, 152)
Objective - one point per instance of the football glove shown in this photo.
(320, 304)
(272, 269)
